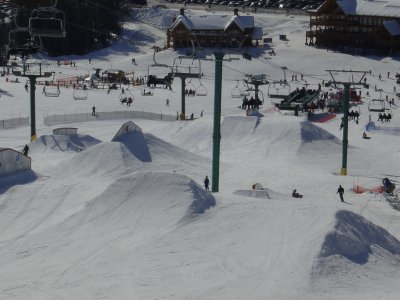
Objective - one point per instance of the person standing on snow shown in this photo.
(206, 183)
(340, 191)
(26, 149)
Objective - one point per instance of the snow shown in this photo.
(129, 219)
(371, 7)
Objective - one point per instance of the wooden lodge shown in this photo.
(212, 31)
(356, 25)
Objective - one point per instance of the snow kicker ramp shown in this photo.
(105, 238)
(355, 255)
(274, 137)
(73, 143)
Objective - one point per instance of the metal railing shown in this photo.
(14, 122)
(114, 115)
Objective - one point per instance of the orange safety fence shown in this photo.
(359, 189)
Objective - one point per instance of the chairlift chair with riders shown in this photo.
(126, 97)
(47, 22)
(190, 89)
(159, 74)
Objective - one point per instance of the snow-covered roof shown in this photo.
(370, 7)
(257, 33)
(213, 22)
(392, 27)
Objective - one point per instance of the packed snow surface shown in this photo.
(130, 219)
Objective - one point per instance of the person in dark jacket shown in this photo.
(340, 191)
(206, 183)
(26, 149)
(295, 194)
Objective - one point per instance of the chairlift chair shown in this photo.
(47, 22)
(125, 95)
(20, 42)
(147, 92)
(190, 89)
(376, 105)
(201, 90)
(51, 91)
(80, 95)
(187, 67)
(236, 92)
(260, 94)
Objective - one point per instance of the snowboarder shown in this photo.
(295, 194)
(206, 183)
(94, 111)
(340, 191)
(167, 102)
(26, 149)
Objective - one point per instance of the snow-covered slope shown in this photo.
(130, 219)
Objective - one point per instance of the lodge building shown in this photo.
(212, 31)
(369, 25)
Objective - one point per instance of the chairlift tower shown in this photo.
(32, 76)
(346, 98)
(190, 69)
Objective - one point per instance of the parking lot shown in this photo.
(251, 5)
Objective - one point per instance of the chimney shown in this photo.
(236, 12)
(182, 11)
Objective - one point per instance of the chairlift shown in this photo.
(376, 105)
(147, 92)
(279, 89)
(51, 91)
(80, 95)
(260, 95)
(190, 89)
(201, 90)
(20, 42)
(187, 67)
(47, 22)
(126, 97)
(236, 92)
(158, 74)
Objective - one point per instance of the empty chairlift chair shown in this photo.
(47, 22)
(80, 95)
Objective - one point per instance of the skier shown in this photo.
(167, 102)
(94, 111)
(26, 149)
(206, 182)
(340, 191)
(295, 194)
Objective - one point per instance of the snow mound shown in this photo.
(356, 249)
(103, 158)
(72, 143)
(137, 145)
(145, 201)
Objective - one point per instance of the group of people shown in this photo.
(190, 92)
(354, 115)
(384, 117)
(127, 100)
(250, 103)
